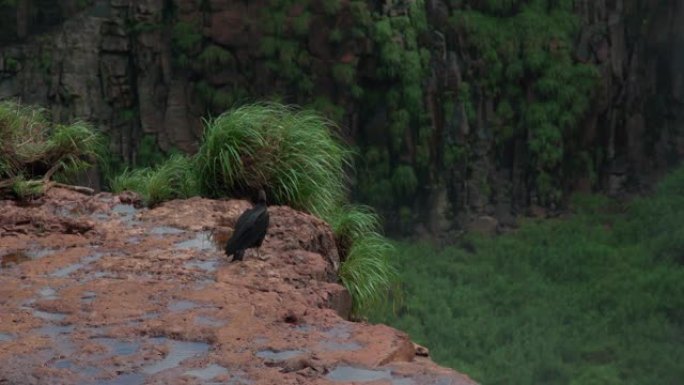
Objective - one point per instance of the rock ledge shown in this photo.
(93, 290)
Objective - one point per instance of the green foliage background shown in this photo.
(525, 51)
(596, 298)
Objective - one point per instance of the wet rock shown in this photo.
(94, 307)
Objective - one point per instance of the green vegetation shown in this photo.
(295, 156)
(403, 66)
(351, 222)
(597, 298)
(186, 37)
(171, 179)
(525, 63)
(292, 153)
(214, 56)
(33, 151)
(367, 272)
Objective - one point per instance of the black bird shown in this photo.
(250, 229)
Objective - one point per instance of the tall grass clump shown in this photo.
(366, 270)
(33, 150)
(173, 179)
(350, 222)
(293, 154)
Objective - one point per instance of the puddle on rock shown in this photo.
(48, 293)
(340, 346)
(100, 216)
(48, 316)
(100, 274)
(404, 381)
(350, 373)
(88, 296)
(208, 373)
(164, 230)
(37, 253)
(202, 241)
(178, 352)
(150, 315)
(337, 333)
(124, 209)
(182, 306)
(53, 330)
(208, 266)
(66, 271)
(63, 364)
(208, 321)
(124, 379)
(91, 371)
(126, 213)
(273, 355)
(118, 347)
(6, 337)
(342, 332)
(303, 328)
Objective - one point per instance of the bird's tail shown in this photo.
(238, 255)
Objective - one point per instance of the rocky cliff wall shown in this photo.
(424, 89)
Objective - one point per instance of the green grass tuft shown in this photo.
(353, 221)
(293, 154)
(27, 189)
(172, 179)
(367, 272)
(76, 145)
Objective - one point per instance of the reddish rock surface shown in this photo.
(95, 291)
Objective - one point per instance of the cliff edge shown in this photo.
(93, 290)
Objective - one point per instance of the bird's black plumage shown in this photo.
(250, 229)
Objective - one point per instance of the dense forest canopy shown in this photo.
(594, 298)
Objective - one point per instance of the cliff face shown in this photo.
(630, 132)
(409, 81)
(96, 291)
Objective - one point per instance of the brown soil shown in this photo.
(95, 291)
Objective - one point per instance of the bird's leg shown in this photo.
(258, 254)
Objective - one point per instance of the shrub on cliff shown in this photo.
(33, 150)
